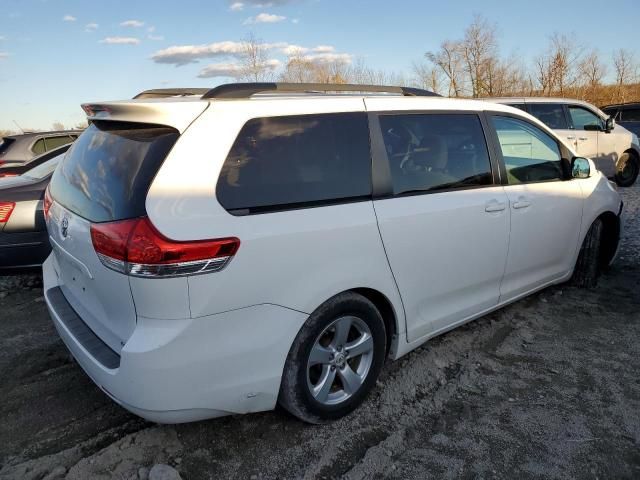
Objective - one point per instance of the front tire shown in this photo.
(334, 360)
(587, 270)
(627, 169)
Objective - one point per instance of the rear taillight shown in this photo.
(46, 202)
(5, 211)
(136, 248)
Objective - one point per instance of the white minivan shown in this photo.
(589, 131)
(273, 243)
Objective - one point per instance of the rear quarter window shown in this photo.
(107, 172)
(291, 161)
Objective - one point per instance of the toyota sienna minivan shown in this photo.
(259, 244)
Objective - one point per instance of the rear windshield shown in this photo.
(107, 172)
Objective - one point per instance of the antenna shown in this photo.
(21, 129)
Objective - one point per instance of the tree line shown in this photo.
(473, 66)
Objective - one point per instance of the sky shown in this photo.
(57, 54)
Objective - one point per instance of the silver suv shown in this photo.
(588, 131)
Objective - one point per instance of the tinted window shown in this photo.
(551, 114)
(281, 161)
(55, 142)
(631, 115)
(520, 106)
(109, 168)
(38, 147)
(582, 117)
(435, 152)
(4, 145)
(530, 155)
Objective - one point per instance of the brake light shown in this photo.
(5, 211)
(47, 202)
(136, 248)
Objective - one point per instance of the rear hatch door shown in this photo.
(104, 177)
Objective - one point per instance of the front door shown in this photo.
(445, 222)
(545, 204)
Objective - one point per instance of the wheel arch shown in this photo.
(388, 313)
(610, 237)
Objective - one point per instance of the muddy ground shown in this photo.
(546, 388)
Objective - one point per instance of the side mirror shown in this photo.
(580, 168)
(609, 124)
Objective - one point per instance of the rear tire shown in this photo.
(335, 359)
(587, 270)
(627, 168)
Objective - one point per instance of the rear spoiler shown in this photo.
(178, 115)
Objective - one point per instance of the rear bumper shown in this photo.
(173, 371)
(23, 250)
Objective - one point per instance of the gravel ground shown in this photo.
(545, 388)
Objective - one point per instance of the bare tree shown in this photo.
(449, 59)
(427, 76)
(556, 70)
(480, 53)
(254, 61)
(57, 126)
(626, 72)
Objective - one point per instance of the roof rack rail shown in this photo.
(171, 92)
(246, 90)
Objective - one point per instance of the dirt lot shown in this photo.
(546, 388)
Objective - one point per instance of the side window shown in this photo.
(519, 106)
(551, 114)
(39, 147)
(631, 115)
(530, 155)
(430, 152)
(278, 162)
(582, 117)
(55, 142)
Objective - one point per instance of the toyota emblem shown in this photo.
(64, 227)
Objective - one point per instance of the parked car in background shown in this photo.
(12, 171)
(589, 131)
(24, 241)
(625, 114)
(18, 150)
(318, 235)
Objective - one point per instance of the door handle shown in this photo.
(522, 202)
(583, 138)
(572, 137)
(494, 206)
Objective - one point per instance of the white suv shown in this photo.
(257, 245)
(589, 131)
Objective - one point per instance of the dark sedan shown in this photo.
(19, 150)
(24, 242)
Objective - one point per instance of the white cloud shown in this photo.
(91, 27)
(179, 55)
(151, 29)
(69, 18)
(120, 41)
(132, 23)
(234, 70)
(264, 18)
(2, 37)
(155, 38)
(323, 49)
(3, 55)
(295, 20)
(184, 54)
(329, 57)
(236, 6)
